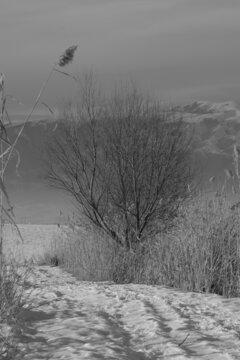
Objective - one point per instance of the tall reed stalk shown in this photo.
(2, 173)
(7, 148)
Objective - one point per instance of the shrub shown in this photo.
(125, 161)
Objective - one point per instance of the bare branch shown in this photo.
(125, 161)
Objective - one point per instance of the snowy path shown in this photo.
(83, 320)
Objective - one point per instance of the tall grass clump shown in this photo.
(13, 299)
(85, 252)
(208, 250)
(200, 254)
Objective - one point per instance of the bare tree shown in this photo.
(126, 161)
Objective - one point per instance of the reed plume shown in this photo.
(2, 79)
(67, 56)
(64, 60)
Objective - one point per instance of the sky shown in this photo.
(178, 50)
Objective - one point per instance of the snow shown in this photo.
(71, 319)
(199, 111)
(207, 107)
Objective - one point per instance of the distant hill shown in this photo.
(216, 129)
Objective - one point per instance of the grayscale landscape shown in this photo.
(120, 179)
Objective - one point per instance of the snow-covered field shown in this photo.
(37, 240)
(71, 319)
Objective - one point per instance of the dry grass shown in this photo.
(13, 279)
(201, 254)
(208, 247)
(85, 253)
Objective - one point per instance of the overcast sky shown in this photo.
(179, 49)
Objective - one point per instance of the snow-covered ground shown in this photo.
(71, 319)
